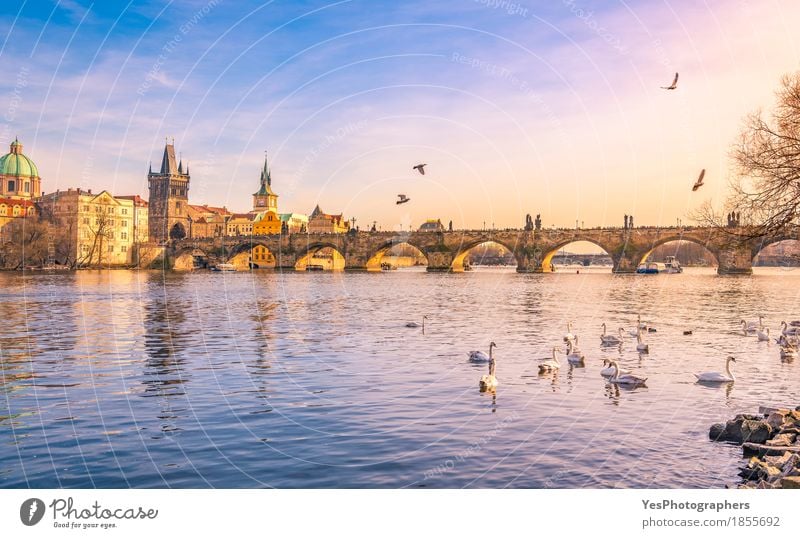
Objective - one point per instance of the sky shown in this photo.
(551, 108)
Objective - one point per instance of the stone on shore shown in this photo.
(790, 482)
(782, 439)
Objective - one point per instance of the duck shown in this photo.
(641, 347)
(488, 381)
(574, 354)
(608, 370)
(624, 378)
(716, 377)
(788, 353)
(480, 356)
(610, 339)
(549, 365)
(414, 324)
(569, 336)
(763, 335)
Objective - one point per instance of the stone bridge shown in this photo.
(446, 251)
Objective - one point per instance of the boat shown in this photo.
(651, 268)
(224, 267)
(315, 268)
(388, 267)
(672, 265)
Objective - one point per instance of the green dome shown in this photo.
(17, 164)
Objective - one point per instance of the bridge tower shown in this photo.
(169, 199)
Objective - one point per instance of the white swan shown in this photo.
(414, 324)
(480, 356)
(763, 335)
(789, 331)
(716, 377)
(574, 355)
(639, 323)
(641, 347)
(624, 378)
(569, 336)
(608, 370)
(549, 365)
(488, 381)
(610, 339)
(752, 326)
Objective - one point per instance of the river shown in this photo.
(118, 379)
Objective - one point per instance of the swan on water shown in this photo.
(414, 324)
(549, 365)
(569, 336)
(752, 326)
(610, 339)
(480, 356)
(641, 347)
(763, 335)
(716, 377)
(489, 381)
(789, 330)
(624, 378)
(574, 354)
(608, 370)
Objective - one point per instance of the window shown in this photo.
(86, 234)
(111, 222)
(11, 186)
(85, 248)
(111, 210)
(124, 210)
(111, 235)
(124, 248)
(16, 210)
(111, 248)
(3, 209)
(123, 235)
(124, 223)
(27, 186)
(86, 220)
(86, 208)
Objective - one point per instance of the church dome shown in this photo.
(16, 164)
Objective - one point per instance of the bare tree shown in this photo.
(766, 185)
(101, 232)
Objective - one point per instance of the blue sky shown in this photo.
(517, 107)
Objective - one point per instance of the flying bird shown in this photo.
(699, 182)
(420, 168)
(673, 85)
(403, 199)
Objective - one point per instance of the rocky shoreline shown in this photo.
(772, 441)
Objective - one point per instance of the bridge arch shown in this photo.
(185, 258)
(689, 238)
(253, 254)
(376, 259)
(464, 249)
(305, 257)
(760, 246)
(546, 255)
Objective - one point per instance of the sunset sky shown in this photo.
(516, 107)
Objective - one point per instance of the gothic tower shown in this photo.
(265, 199)
(169, 199)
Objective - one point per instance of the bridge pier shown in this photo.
(439, 261)
(735, 259)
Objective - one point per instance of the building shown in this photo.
(169, 199)
(261, 258)
(294, 223)
(240, 224)
(19, 177)
(141, 227)
(20, 184)
(99, 227)
(321, 222)
(432, 225)
(208, 221)
(266, 220)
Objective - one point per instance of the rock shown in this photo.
(766, 450)
(790, 482)
(777, 418)
(777, 461)
(782, 439)
(790, 429)
(755, 431)
(764, 410)
(795, 415)
(744, 416)
(716, 432)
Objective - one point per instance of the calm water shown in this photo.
(237, 380)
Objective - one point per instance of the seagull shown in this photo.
(673, 85)
(420, 168)
(699, 182)
(403, 199)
